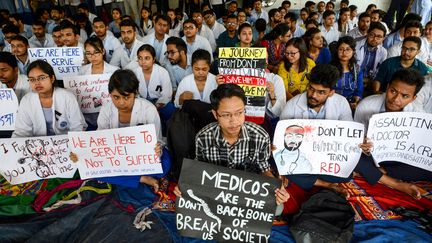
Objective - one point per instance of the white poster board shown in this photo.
(36, 158)
(66, 61)
(116, 152)
(324, 147)
(403, 137)
(91, 90)
(9, 109)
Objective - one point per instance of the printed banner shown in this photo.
(246, 67)
(324, 147)
(91, 90)
(36, 158)
(223, 204)
(66, 61)
(9, 109)
(116, 152)
(403, 137)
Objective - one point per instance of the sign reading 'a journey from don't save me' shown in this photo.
(403, 137)
(116, 152)
(323, 147)
(246, 68)
(224, 204)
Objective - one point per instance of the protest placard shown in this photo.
(223, 204)
(9, 108)
(246, 68)
(402, 137)
(324, 147)
(36, 158)
(66, 61)
(91, 90)
(116, 152)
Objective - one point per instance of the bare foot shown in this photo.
(336, 187)
(405, 187)
(409, 189)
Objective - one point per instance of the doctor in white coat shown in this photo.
(319, 101)
(47, 110)
(199, 84)
(158, 38)
(10, 77)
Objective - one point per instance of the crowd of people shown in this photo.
(344, 64)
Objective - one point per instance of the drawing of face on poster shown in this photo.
(290, 160)
(36, 157)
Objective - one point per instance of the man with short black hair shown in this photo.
(56, 35)
(192, 39)
(70, 35)
(84, 8)
(401, 91)
(229, 38)
(40, 38)
(360, 32)
(127, 53)
(258, 12)
(158, 38)
(204, 30)
(410, 49)
(24, 29)
(10, 77)
(109, 41)
(291, 20)
(9, 31)
(19, 46)
(210, 20)
(57, 15)
(329, 32)
(177, 62)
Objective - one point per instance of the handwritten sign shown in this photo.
(323, 147)
(116, 152)
(403, 137)
(246, 68)
(66, 61)
(9, 109)
(36, 158)
(91, 90)
(223, 204)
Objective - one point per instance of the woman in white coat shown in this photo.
(199, 84)
(127, 109)
(95, 54)
(47, 110)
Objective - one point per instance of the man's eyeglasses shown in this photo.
(170, 53)
(229, 116)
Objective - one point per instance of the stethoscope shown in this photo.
(293, 164)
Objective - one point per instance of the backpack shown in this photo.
(180, 140)
(324, 217)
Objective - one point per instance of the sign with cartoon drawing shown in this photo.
(324, 147)
(225, 205)
(36, 158)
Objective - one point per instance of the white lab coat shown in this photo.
(374, 104)
(150, 39)
(380, 56)
(21, 88)
(67, 115)
(110, 45)
(188, 84)
(207, 33)
(143, 112)
(424, 97)
(337, 108)
(280, 95)
(159, 86)
(199, 43)
(87, 69)
(120, 57)
(35, 43)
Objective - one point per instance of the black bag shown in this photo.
(324, 217)
(180, 140)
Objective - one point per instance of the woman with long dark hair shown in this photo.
(350, 84)
(343, 24)
(315, 45)
(275, 42)
(295, 67)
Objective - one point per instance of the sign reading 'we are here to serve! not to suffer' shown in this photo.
(245, 66)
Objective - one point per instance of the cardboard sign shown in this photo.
(224, 204)
(91, 90)
(324, 147)
(66, 61)
(9, 109)
(36, 158)
(246, 68)
(116, 152)
(403, 137)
